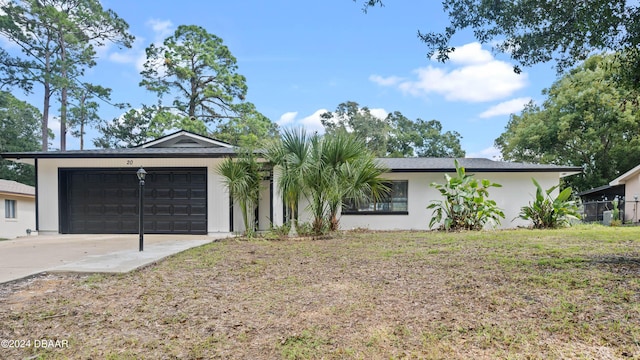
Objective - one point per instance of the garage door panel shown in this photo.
(106, 201)
(181, 210)
(198, 210)
(198, 226)
(129, 210)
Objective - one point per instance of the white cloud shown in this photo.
(287, 118)
(489, 153)
(136, 55)
(478, 77)
(470, 54)
(385, 81)
(380, 113)
(506, 108)
(312, 122)
(161, 28)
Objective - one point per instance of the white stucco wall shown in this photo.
(517, 190)
(218, 197)
(631, 188)
(25, 217)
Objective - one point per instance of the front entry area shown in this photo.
(105, 201)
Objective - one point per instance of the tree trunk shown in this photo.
(63, 99)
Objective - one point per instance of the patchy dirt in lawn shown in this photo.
(512, 294)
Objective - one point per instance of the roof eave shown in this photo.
(563, 171)
(19, 156)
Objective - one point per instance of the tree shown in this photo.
(242, 178)
(326, 170)
(250, 129)
(77, 26)
(394, 136)
(132, 128)
(83, 110)
(57, 39)
(351, 172)
(538, 31)
(198, 72)
(583, 122)
(19, 130)
(290, 157)
(421, 138)
(349, 116)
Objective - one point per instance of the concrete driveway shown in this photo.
(28, 256)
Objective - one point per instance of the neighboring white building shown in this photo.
(96, 191)
(631, 182)
(19, 214)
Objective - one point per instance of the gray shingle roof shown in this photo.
(14, 187)
(470, 164)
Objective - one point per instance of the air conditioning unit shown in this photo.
(607, 216)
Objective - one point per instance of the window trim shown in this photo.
(387, 212)
(10, 209)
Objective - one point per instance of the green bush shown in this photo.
(466, 205)
(548, 213)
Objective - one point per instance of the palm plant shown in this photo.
(326, 170)
(353, 171)
(291, 156)
(242, 179)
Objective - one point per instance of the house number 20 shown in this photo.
(129, 162)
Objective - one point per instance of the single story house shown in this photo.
(96, 191)
(19, 202)
(631, 182)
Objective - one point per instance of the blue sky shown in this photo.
(301, 58)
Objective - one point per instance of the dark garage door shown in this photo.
(105, 201)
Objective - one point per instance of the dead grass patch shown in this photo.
(522, 294)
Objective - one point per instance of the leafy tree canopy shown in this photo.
(197, 72)
(250, 129)
(394, 136)
(583, 122)
(537, 31)
(57, 39)
(19, 131)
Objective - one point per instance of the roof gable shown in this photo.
(626, 176)
(185, 139)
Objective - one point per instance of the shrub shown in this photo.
(615, 215)
(281, 231)
(546, 212)
(466, 205)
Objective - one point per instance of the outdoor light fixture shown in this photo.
(141, 175)
(635, 208)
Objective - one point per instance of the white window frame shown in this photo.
(10, 209)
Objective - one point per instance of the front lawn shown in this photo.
(557, 294)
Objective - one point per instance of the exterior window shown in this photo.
(394, 203)
(10, 209)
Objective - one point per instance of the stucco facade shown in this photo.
(18, 209)
(631, 182)
(517, 191)
(218, 198)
